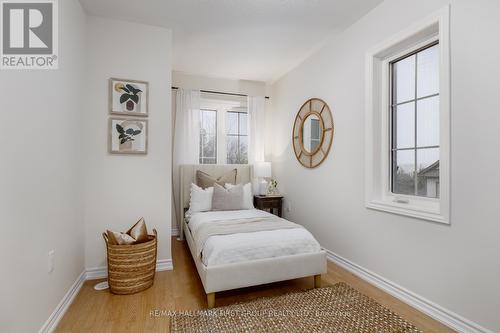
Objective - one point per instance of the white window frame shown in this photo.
(378, 194)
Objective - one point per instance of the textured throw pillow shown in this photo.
(139, 232)
(227, 199)
(204, 180)
(119, 238)
(247, 195)
(201, 199)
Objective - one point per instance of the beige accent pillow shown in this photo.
(139, 232)
(227, 199)
(204, 180)
(119, 238)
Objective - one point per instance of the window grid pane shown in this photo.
(428, 71)
(232, 123)
(404, 79)
(208, 137)
(428, 172)
(403, 179)
(236, 139)
(415, 124)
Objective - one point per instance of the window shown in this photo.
(407, 121)
(415, 123)
(208, 136)
(236, 137)
(223, 131)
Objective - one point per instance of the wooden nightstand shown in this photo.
(264, 202)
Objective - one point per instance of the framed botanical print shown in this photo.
(128, 97)
(128, 136)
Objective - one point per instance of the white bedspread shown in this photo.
(225, 249)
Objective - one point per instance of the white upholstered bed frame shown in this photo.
(249, 273)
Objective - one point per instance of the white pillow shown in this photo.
(247, 195)
(201, 199)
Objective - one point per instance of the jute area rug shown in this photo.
(338, 308)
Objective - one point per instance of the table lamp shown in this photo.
(262, 171)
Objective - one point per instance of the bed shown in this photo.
(232, 261)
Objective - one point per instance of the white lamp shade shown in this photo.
(262, 169)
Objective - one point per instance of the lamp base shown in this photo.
(263, 187)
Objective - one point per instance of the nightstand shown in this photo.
(270, 203)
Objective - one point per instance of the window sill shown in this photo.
(411, 210)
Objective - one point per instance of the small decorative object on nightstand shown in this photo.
(272, 188)
(264, 202)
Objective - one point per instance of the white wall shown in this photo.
(40, 180)
(456, 266)
(118, 189)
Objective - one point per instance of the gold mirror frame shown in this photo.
(319, 108)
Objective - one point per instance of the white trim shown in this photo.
(445, 316)
(174, 232)
(404, 209)
(96, 273)
(377, 195)
(63, 305)
(164, 265)
(102, 272)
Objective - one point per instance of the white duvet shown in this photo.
(226, 249)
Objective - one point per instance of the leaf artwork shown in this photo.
(125, 89)
(130, 93)
(133, 90)
(124, 98)
(126, 134)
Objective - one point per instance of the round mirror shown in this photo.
(312, 134)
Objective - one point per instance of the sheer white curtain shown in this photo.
(256, 129)
(186, 145)
(256, 132)
(187, 127)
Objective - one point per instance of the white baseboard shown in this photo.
(164, 265)
(63, 305)
(175, 232)
(102, 272)
(445, 316)
(96, 273)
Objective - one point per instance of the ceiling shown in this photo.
(240, 39)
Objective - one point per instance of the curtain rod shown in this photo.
(221, 93)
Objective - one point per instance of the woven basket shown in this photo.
(131, 268)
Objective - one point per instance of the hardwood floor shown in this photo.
(181, 289)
